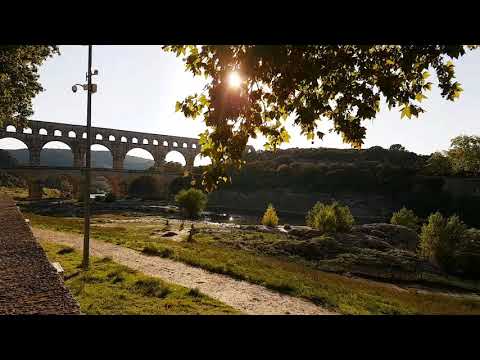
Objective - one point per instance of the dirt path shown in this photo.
(246, 297)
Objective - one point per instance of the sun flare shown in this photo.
(234, 80)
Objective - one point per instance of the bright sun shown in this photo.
(234, 79)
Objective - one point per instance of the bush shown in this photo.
(151, 287)
(110, 197)
(440, 238)
(191, 201)
(270, 217)
(405, 217)
(195, 292)
(467, 255)
(147, 188)
(330, 218)
(154, 251)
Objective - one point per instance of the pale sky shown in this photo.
(139, 85)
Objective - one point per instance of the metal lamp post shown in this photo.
(90, 88)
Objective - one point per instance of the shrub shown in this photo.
(330, 218)
(173, 167)
(110, 197)
(154, 251)
(440, 238)
(147, 188)
(270, 217)
(405, 217)
(191, 201)
(467, 255)
(151, 287)
(195, 292)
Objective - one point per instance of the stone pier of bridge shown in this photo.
(119, 142)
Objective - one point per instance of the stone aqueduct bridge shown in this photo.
(119, 142)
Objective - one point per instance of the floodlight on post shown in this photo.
(90, 88)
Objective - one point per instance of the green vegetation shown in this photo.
(438, 164)
(22, 193)
(14, 192)
(191, 201)
(448, 243)
(19, 77)
(396, 73)
(147, 188)
(464, 155)
(462, 159)
(330, 218)
(108, 288)
(270, 217)
(397, 147)
(173, 167)
(288, 275)
(439, 238)
(467, 254)
(405, 217)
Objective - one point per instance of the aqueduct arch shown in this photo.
(119, 142)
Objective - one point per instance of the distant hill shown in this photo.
(64, 157)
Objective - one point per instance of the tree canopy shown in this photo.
(397, 147)
(19, 79)
(344, 84)
(464, 155)
(439, 164)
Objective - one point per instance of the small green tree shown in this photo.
(330, 218)
(405, 217)
(438, 164)
(464, 155)
(467, 254)
(19, 80)
(270, 217)
(191, 201)
(147, 188)
(397, 147)
(439, 239)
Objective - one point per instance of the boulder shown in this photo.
(304, 232)
(397, 236)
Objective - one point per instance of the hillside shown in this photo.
(63, 157)
(373, 182)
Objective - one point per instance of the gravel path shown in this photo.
(246, 297)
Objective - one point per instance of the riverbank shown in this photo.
(235, 255)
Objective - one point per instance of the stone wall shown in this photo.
(29, 284)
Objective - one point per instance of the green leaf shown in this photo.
(178, 106)
(203, 100)
(406, 112)
(419, 97)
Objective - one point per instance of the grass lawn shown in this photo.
(339, 293)
(109, 288)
